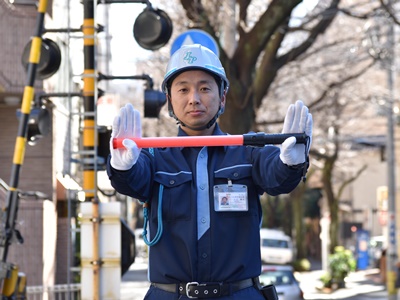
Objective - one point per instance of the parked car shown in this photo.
(376, 246)
(282, 277)
(276, 247)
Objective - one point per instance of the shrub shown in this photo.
(340, 264)
(302, 265)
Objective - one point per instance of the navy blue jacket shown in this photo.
(229, 248)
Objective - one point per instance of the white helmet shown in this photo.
(195, 57)
(192, 57)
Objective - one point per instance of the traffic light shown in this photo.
(39, 124)
(153, 102)
(152, 28)
(350, 228)
(103, 149)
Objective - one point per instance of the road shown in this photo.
(360, 285)
(134, 283)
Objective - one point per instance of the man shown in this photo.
(199, 250)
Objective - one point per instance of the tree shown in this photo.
(254, 65)
(257, 58)
(276, 58)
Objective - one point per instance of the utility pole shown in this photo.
(385, 50)
(89, 134)
(391, 254)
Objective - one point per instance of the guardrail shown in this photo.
(57, 292)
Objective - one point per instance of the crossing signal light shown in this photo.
(152, 28)
(50, 58)
(153, 102)
(39, 124)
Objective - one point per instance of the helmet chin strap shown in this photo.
(208, 125)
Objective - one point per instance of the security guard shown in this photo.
(200, 248)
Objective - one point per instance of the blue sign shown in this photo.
(392, 233)
(195, 36)
(362, 249)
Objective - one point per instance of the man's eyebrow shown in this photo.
(183, 81)
(207, 81)
(179, 82)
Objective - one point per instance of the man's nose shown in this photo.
(194, 97)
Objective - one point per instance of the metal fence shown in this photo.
(57, 292)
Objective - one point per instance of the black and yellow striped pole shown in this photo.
(10, 285)
(89, 138)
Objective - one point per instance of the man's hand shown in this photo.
(297, 120)
(126, 125)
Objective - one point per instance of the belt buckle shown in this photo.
(188, 285)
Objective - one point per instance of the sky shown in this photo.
(124, 48)
(304, 7)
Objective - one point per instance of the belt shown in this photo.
(196, 290)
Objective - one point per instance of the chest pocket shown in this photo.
(238, 174)
(177, 195)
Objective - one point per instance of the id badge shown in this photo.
(230, 197)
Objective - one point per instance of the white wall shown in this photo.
(364, 190)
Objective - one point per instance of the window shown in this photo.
(274, 243)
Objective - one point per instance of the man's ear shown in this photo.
(170, 109)
(223, 100)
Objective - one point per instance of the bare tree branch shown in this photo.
(389, 9)
(345, 183)
(270, 65)
(326, 19)
(243, 5)
(337, 84)
(254, 42)
(323, 95)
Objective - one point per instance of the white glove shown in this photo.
(126, 125)
(297, 120)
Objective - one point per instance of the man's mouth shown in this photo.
(195, 112)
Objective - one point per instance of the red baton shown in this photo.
(250, 139)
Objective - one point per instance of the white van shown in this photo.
(376, 246)
(276, 247)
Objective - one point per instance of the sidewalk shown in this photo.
(359, 285)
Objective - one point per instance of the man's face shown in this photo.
(195, 99)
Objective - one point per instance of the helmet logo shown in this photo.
(189, 58)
